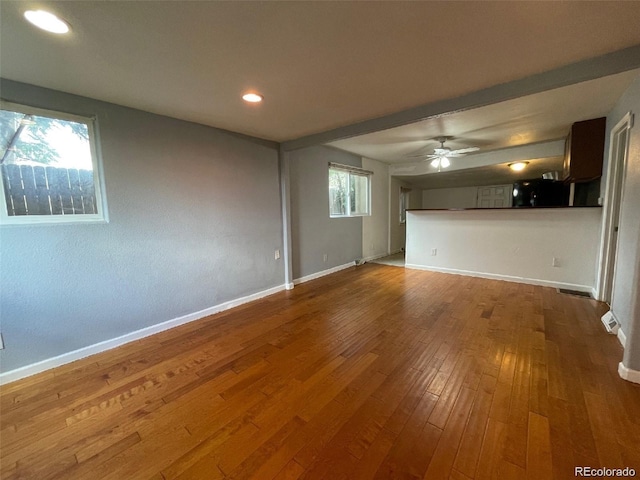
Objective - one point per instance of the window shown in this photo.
(404, 203)
(348, 191)
(49, 167)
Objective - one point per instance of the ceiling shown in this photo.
(319, 65)
(525, 120)
(519, 129)
(497, 174)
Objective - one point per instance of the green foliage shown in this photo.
(28, 137)
(338, 184)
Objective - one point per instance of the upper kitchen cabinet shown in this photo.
(584, 150)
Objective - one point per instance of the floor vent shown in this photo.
(577, 293)
(610, 323)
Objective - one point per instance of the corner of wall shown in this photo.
(628, 374)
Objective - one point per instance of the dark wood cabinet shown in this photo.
(584, 150)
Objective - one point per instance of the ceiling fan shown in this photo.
(440, 156)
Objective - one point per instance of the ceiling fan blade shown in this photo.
(441, 151)
(425, 156)
(464, 150)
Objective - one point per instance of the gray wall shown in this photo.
(194, 220)
(625, 304)
(375, 227)
(313, 232)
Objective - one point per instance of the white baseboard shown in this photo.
(595, 294)
(628, 374)
(506, 278)
(329, 271)
(621, 337)
(49, 363)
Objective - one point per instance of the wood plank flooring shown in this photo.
(375, 372)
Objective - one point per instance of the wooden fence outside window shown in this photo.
(35, 190)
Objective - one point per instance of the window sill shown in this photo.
(33, 221)
(350, 216)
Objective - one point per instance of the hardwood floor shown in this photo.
(375, 372)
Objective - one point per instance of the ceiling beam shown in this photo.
(590, 69)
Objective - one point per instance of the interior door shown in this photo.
(619, 157)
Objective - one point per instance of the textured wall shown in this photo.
(626, 288)
(459, 197)
(313, 232)
(511, 242)
(194, 220)
(375, 228)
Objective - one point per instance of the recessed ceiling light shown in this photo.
(518, 166)
(252, 97)
(46, 21)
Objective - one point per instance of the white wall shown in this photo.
(461, 197)
(626, 283)
(514, 244)
(397, 230)
(375, 228)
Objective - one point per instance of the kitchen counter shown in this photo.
(556, 246)
(501, 208)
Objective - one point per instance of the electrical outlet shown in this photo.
(555, 262)
(277, 254)
(1, 342)
(325, 257)
(434, 252)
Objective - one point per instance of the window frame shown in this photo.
(351, 171)
(96, 163)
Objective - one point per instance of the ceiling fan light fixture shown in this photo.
(46, 21)
(440, 162)
(518, 166)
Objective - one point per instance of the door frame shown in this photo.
(614, 191)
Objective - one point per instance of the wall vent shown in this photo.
(577, 293)
(610, 323)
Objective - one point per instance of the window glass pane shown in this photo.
(348, 193)
(47, 165)
(359, 194)
(338, 192)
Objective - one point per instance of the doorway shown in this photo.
(618, 155)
